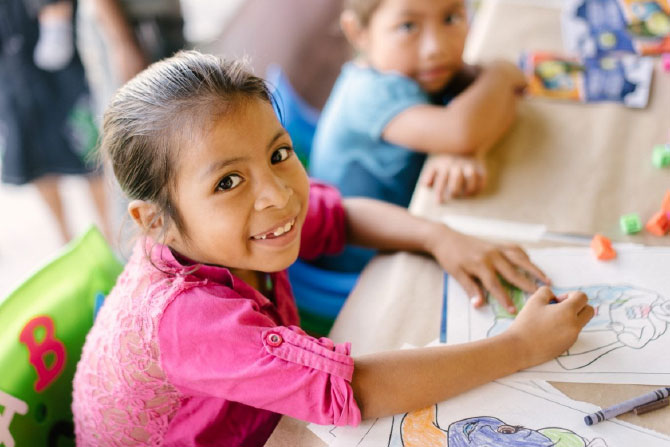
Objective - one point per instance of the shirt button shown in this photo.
(274, 339)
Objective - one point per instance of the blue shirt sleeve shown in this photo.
(373, 99)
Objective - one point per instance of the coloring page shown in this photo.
(627, 341)
(531, 414)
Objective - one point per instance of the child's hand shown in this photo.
(453, 176)
(509, 73)
(546, 330)
(476, 264)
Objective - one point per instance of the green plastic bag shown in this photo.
(43, 325)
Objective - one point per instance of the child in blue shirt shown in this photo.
(403, 98)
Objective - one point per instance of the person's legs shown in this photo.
(96, 184)
(48, 189)
(55, 47)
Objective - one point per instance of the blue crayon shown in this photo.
(624, 407)
(443, 321)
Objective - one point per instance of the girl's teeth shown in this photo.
(279, 231)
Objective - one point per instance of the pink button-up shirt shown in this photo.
(215, 363)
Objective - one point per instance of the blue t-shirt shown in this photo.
(349, 152)
(348, 149)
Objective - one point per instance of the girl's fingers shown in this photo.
(577, 300)
(519, 258)
(482, 175)
(513, 275)
(471, 287)
(491, 282)
(544, 295)
(428, 178)
(456, 181)
(471, 179)
(440, 185)
(562, 297)
(585, 315)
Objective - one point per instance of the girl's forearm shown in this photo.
(395, 382)
(384, 226)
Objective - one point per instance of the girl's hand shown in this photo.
(476, 264)
(545, 328)
(453, 176)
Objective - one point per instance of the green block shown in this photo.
(661, 155)
(630, 223)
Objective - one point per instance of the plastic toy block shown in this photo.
(659, 224)
(665, 62)
(602, 248)
(661, 155)
(630, 223)
(665, 205)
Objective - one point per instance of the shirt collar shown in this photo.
(173, 262)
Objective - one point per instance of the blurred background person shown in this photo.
(116, 40)
(46, 121)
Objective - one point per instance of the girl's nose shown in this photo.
(431, 43)
(273, 192)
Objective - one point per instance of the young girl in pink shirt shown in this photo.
(198, 344)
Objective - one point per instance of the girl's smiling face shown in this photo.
(241, 192)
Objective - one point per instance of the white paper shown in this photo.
(495, 414)
(626, 342)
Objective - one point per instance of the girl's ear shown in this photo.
(354, 31)
(146, 215)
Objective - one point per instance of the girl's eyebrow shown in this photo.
(280, 133)
(215, 167)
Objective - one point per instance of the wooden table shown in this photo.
(574, 168)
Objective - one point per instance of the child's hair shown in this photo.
(161, 111)
(363, 9)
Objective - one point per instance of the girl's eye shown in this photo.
(453, 19)
(407, 26)
(229, 182)
(281, 154)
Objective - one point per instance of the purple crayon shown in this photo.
(626, 406)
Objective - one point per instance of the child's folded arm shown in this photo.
(470, 123)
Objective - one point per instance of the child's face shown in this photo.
(422, 39)
(242, 193)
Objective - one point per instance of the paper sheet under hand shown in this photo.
(628, 339)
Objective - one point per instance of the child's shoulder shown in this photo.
(354, 71)
(359, 84)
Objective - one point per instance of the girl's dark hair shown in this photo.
(162, 110)
(363, 9)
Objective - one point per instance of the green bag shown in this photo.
(43, 326)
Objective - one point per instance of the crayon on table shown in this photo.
(443, 322)
(626, 406)
(651, 406)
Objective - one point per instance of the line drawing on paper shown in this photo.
(421, 428)
(625, 317)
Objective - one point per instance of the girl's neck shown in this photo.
(260, 281)
(251, 277)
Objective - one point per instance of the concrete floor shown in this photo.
(28, 234)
